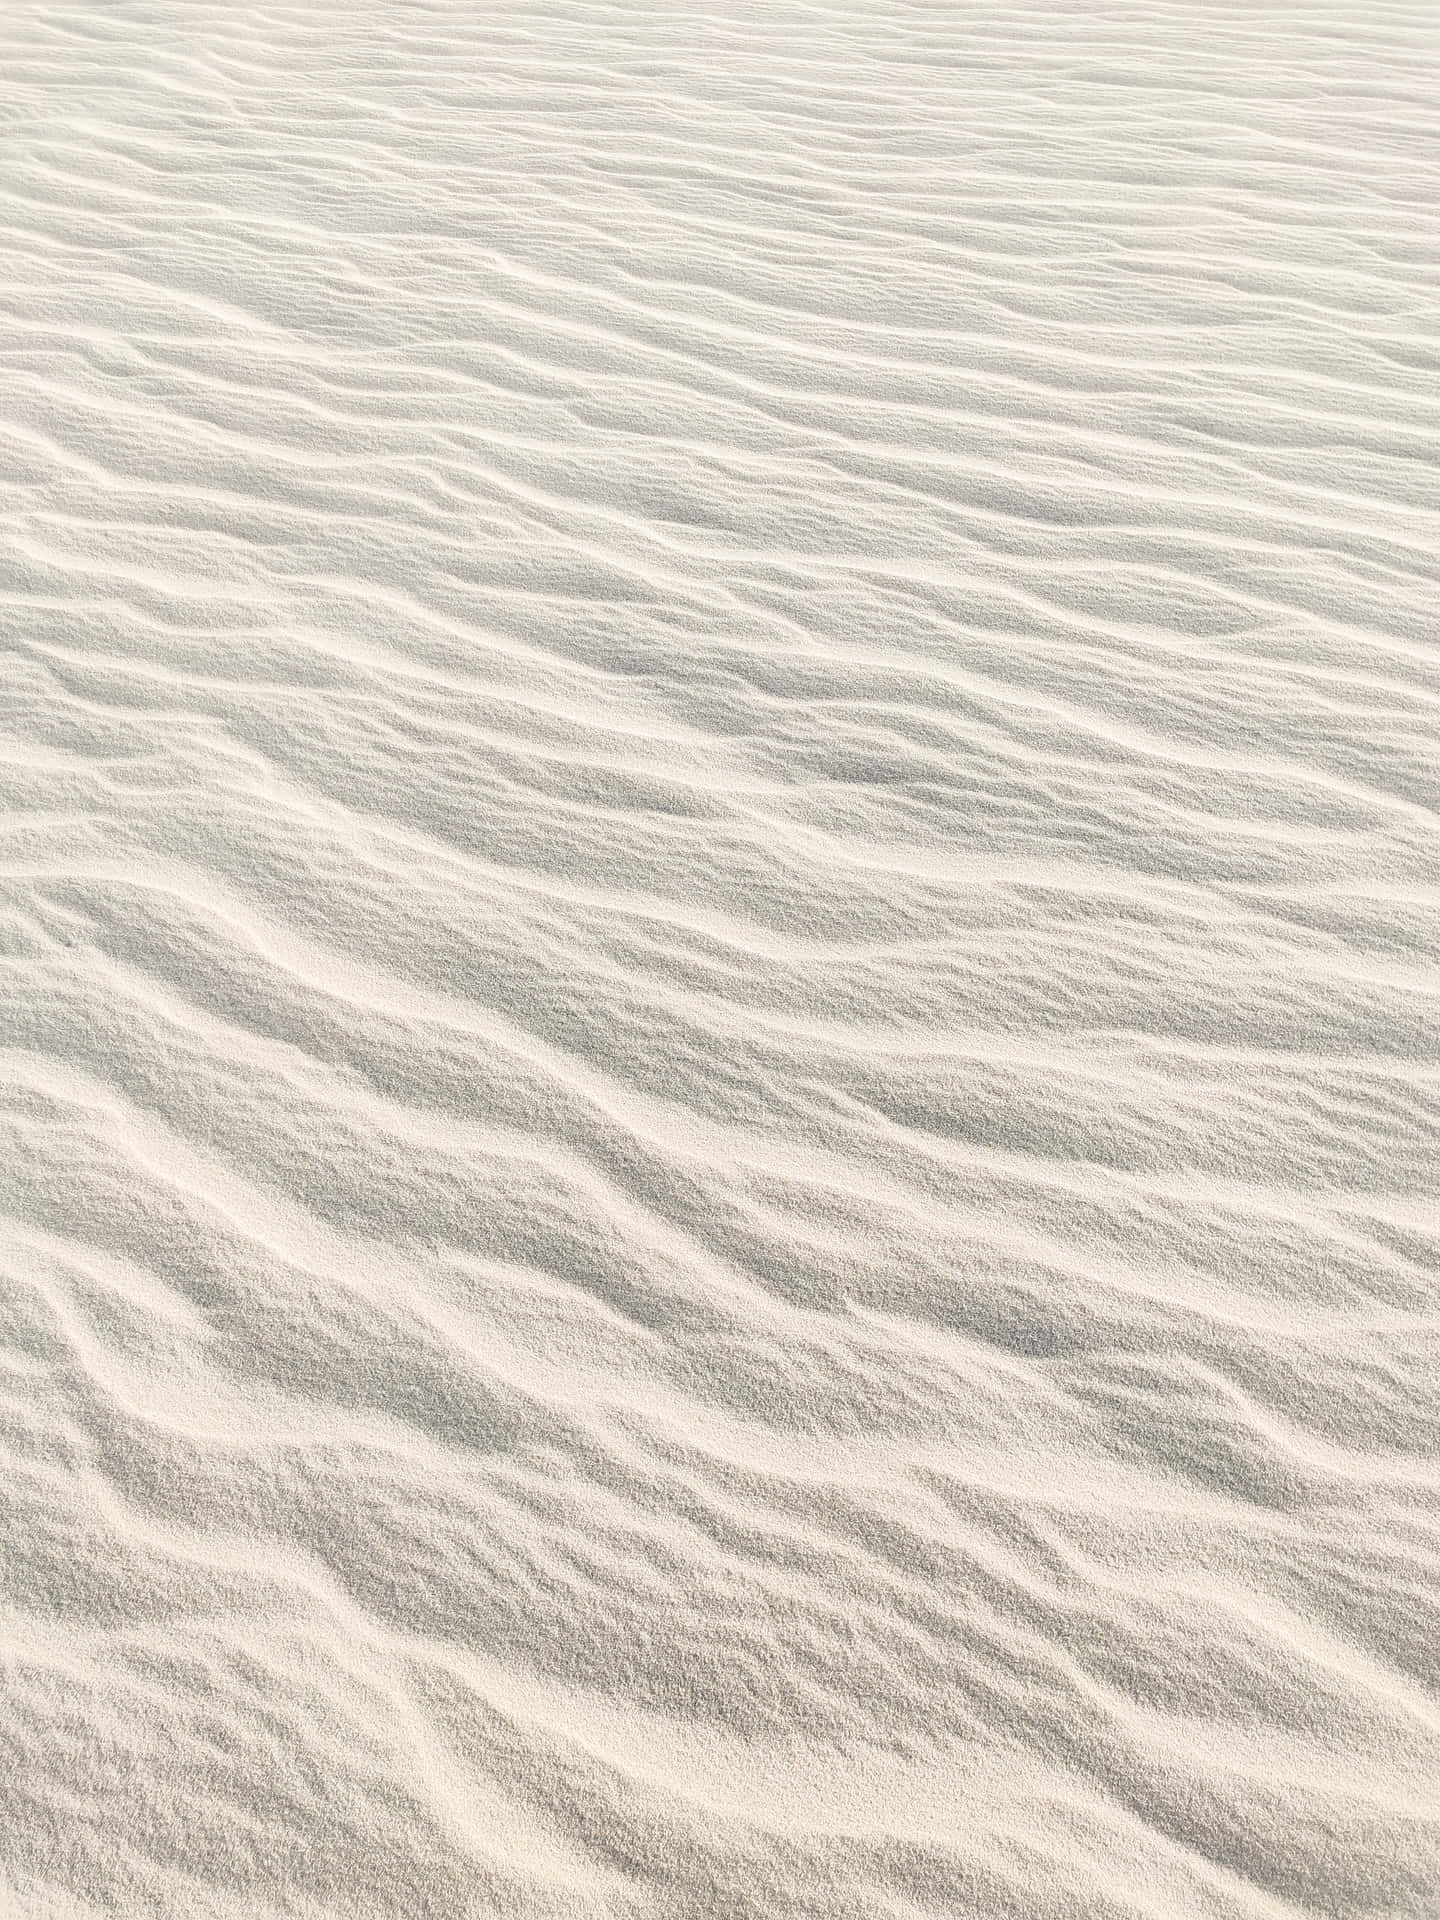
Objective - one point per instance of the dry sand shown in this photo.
(720, 1031)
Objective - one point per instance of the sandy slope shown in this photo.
(720, 891)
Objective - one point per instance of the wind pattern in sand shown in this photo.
(721, 889)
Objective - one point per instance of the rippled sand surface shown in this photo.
(720, 1027)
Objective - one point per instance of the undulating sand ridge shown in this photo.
(719, 1009)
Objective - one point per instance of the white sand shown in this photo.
(720, 1029)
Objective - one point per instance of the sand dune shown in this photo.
(720, 1028)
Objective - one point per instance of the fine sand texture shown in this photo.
(719, 960)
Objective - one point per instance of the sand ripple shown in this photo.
(719, 895)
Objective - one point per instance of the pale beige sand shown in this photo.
(721, 891)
